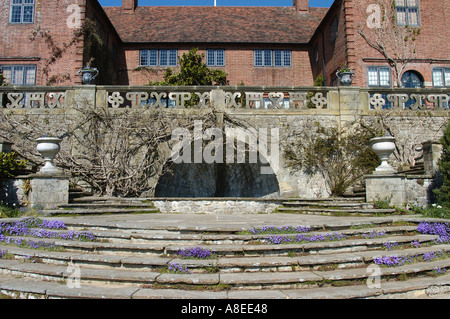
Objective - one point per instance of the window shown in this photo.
(277, 58)
(407, 12)
(316, 54)
(379, 76)
(19, 74)
(441, 77)
(158, 58)
(22, 11)
(333, 29)
(215, 57)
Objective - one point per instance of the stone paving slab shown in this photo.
(61, 272)
(425, 287)
(266, 261)
(178, 222)
(178, 294)
(328, 259)
(347, 292)
(268, 278)
(191, 279)
(17, 267)
(89, 291)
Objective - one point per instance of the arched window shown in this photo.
(412, 79)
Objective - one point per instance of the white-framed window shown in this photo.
(441, 77)
(407, 12)
(215, 57)
(158, 58)
(21, 11)
(333, 29)
(276, 58)
(19, 74)
(379, 76)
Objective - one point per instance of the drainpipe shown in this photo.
(323, 60)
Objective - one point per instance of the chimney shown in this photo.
(129, 5)
(301, 5)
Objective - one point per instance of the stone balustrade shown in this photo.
(296, 99)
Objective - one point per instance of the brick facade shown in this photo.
(53, 28)
(18, 50)
(351, 49)
(320, 40)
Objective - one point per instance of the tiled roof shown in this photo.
(173, 24)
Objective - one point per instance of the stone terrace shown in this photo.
(132, 252)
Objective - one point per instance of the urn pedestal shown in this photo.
(48, 147)
(346, 77)
(49, 187)
(383, 146)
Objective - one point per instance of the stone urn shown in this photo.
(88, 75)
(346, 77)
(383, 146)
(48, 147)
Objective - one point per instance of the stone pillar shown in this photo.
(49, 187)
(386, 186)
(385, 183)
(49, 191)
(431, 154)
(351, 103)
(219, 105)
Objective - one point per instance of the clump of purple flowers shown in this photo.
(432, 255)
(390, 261)
(177, 268)
(391, 245)
(374, 234)
(2, 253)
(440, 229)
(416, 244)
(394, 260)
(35, 227)
(439, 270)
(28, 243)
(197, 252)
(279, 229)
(300, 238)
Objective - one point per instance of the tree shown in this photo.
(342, 157)
(443, 192)
(396, 43)
(118, 152)
(193, 71)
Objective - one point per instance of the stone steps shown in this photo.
(130, 261)
(234, 280)
(334, 211)
(333, 206)
(220, 264)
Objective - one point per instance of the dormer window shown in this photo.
(22, 11)
(407, 12)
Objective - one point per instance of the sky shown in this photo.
(270, 3)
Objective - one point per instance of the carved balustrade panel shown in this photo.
(256, 98)
(417, 101)
(35, 100)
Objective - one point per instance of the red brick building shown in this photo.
(338, 41)
(47, 42)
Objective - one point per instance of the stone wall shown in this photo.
(289, 110)
(216, 206)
